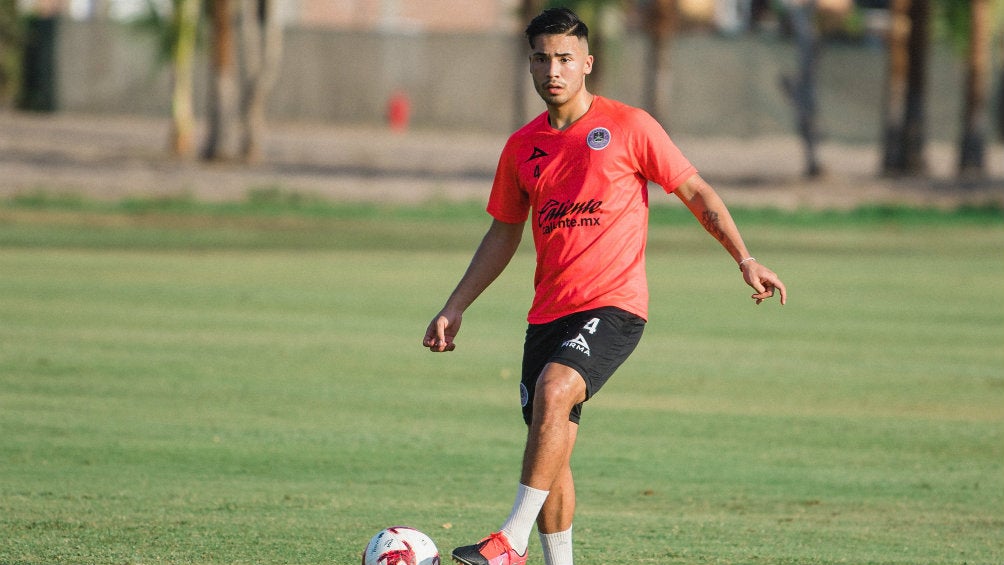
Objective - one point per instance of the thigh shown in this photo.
(594, 343)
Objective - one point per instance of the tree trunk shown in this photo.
(660, 21)
(261, 32)
(1000, 92)
(974, 114)
(915, 133)
(528, 10)
(802, 89)
(223, 140)
(186, 22)
(896, 86)
(904, 135)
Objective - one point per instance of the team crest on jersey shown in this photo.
(598, 138)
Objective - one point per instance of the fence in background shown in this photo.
(720, 86)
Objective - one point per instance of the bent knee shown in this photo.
(560, 387)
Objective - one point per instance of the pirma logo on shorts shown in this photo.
(579, 344)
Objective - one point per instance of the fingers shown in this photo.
(435, 337)
(784, 294)
(766, 284)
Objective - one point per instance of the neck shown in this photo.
(560, 117)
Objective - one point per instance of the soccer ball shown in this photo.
(400, 545)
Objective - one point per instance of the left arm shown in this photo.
(709, 209)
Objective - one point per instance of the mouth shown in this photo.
(552, 88)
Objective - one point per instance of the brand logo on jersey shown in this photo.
(579, 344)
(537, 154)
(598, 139)
(553, 215)
(524, 395)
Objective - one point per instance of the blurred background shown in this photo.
(907, 94)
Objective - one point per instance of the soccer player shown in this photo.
(579, 172)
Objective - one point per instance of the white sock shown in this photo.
(519, 524)
(557, 547)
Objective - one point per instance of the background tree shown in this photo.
(1000, 88)
(904, 133)
(245, 53)
(11, 43)
(801, 88)
(975, 119)
(660, 22)
(184, 26)
(528, 9)
(593, 12)
(222, 135)
(261, 42)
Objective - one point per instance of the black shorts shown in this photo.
(594, 343)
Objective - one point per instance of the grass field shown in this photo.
(182, 383)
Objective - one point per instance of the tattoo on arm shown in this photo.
(709, 220)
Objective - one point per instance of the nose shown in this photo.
(554, 68)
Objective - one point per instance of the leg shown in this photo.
(598, 341)
(554, 523)
(545, 466)
(549, 444)
(552, 435)
(559, 508)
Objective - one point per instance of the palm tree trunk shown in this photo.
(802, 90)
(660, 22)
(904, 124)
(528, 10)
(262, 48)
(915, 132)
(186, 15)
(974, 116)
(222, 141)
(896, 86)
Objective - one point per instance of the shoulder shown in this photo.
(533, 126)
(522, 137)
(636, 126)
(623, 113)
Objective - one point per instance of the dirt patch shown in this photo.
(115, 157)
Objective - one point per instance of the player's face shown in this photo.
(559, 65)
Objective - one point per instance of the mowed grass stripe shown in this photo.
(234, 404)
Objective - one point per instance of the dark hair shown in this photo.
(556, 21)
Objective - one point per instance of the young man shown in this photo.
(579, 172)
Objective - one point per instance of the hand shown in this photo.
(764, 281)
(441, 332)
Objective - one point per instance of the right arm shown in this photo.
(493, 255)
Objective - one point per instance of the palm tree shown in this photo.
(975, 116)
(592, 12)
(11, 43)
(222, 141)
(184, 26)
(660, 22)
(904, 124)
(243, 70)
(801, 89)
(261, 32)
(1000, 91)
(527, 11)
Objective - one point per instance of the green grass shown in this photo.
(183, 382)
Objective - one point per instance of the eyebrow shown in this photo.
(543, 54)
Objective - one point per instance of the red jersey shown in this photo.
(587, 189)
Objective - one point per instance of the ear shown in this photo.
(587, 67)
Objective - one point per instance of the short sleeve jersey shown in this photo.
(585, 192)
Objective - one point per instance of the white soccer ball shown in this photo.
(400, 545)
